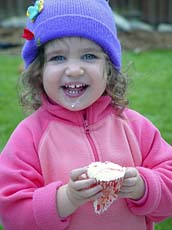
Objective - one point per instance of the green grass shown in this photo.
(149, 93)
(10, 113)
(151, 86)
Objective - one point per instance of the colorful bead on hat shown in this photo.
(52, 19)
(34, 11)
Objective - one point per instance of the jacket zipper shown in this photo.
(87, 132)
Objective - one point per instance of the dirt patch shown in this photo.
(135, 40)
(141, 40)
(11, 40)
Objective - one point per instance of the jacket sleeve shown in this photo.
(156, 170)
(25, 202)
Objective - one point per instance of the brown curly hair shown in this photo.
(31, 88)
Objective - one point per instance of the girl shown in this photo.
(72, 80)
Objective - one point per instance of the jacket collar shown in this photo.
(92, 114)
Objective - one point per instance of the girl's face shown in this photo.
(74, 72)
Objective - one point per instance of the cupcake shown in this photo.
(110, 177)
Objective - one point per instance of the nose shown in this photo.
(74, 70)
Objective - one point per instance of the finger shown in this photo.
(129, 182)
(126, 190)
(95, 197)
(85, 196)
(76, 173)
(130, 172)
(125, 194)
(83, 184)
(90, 193)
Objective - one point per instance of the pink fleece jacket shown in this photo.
(46, 146)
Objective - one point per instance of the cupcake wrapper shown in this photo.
(110, 190)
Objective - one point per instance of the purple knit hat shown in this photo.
(91, 19)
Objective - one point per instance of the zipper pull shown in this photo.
(86, 126)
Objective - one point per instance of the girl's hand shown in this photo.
(133, 186)
(78, 191)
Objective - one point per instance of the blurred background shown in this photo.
(151, 11)
(141, 24)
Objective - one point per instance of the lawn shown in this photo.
(10, 113)
(149, 93)
(151, 86)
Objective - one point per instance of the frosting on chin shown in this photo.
(105, 171)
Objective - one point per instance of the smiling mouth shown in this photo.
(74, 89)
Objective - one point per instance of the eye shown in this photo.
(89, 57)
(58, 58)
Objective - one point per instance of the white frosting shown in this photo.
(105, 171)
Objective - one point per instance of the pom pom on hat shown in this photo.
(91, 19)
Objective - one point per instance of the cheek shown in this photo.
(49, 76)
(48, 82)
(99, 86)
(102, 81)
(102, 85)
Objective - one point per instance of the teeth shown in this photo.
(75, 86)
(72, 92)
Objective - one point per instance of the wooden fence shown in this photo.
(151, 11)
(10, 8)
